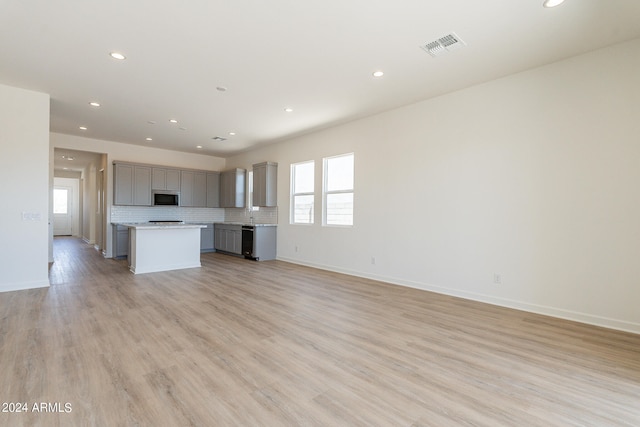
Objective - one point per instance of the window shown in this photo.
(60, 204)
(302, 192)
(338, 190)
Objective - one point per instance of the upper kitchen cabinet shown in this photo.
(265, 184)
(232, 184)
(213, 189)
(165, 179)
(132, 185)
(193, 189)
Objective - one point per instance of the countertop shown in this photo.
(187, 224)
(150, 226)
(247, 223)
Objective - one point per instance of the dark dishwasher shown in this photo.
(247, 241)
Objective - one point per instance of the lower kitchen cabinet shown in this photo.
(228, 238)
(206, 239)
(120, 241)
(257, 242)
(264, 243)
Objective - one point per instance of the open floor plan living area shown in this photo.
(320, 213)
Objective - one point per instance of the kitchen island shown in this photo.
(163, 247)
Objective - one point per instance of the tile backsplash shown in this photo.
(261, 216)
(148, 213)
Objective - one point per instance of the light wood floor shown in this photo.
(274, 344)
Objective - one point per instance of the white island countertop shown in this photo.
(151, 226)
(245, 223)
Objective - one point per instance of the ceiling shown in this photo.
(74, 161)
(219, 67)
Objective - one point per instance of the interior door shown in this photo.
(62, 216)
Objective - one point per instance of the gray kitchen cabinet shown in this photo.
(132, 185)
(218, 241)
(265, 184)
(228, 238)
(213, 189)
(232, 188)
(142, 186)
(264, 242)
(206, 239)
(193, 189)
(186, 188)
(165, 179)
(237, 241)
(200, 189)
(122, 184)
(120, 241)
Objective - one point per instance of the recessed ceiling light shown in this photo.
(149, 139)
(552, 3)
(378, 73)
(65, 168)
(83, 128)
(117, 55)
(173, 121)
(94, 104)
(198, 146)
(69, 158)
(232, 133)
(289, 110)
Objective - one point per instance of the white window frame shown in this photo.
(292, 213)
(325, 192)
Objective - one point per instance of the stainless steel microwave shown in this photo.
(166, 198)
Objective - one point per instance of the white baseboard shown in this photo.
(21, 286)
(560, 313)
(164, 267)
(88, 241)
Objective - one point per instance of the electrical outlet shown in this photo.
(497, 278)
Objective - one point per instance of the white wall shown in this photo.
(89, 204)
(24, 169)
(116, 151)
(534, 176)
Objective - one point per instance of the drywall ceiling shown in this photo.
(74, 161)
(222, 67)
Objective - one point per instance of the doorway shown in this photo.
(62, 207)
(66, 206)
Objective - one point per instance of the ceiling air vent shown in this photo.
(219, 138)
(443, 45)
